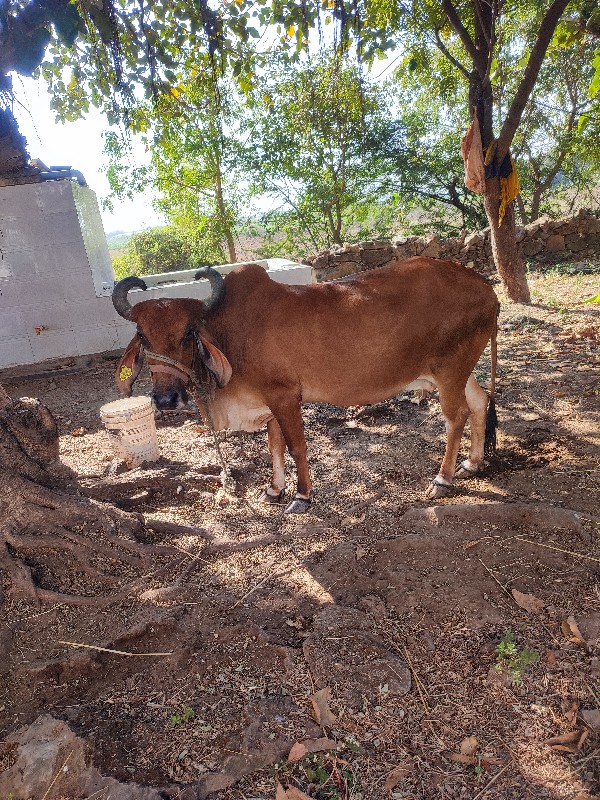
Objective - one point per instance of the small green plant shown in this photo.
(187, 713)
(324, 776)
(512, 660)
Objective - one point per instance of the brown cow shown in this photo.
(260, 349)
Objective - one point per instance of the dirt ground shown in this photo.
(440, 681)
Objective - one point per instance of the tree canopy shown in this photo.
(469, 58)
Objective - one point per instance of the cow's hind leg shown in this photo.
(477, 400)
(456, 411)
(288, 413)
(275, 492)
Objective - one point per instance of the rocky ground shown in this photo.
(379, 646)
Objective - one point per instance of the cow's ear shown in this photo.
(216, 362)
(129, 367)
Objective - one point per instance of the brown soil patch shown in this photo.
(395, 604)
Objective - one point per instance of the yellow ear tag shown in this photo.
(125, 373)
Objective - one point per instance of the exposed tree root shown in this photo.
(48, 534)
(162, 526)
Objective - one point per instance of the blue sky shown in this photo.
(79, 145)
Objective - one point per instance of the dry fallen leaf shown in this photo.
(281, 793)
(394, 777)
(469, 746)
(295, 794)
(320, 702)
(360, 552)
(300, 749)
(570, 709)
(529, 602)
(461, 758)
(297, 751)
(571, 630)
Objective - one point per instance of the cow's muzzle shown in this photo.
(176, 395)
(170, 399)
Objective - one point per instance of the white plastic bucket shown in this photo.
(131, 428)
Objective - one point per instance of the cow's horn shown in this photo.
(119, 295)
(217, 286)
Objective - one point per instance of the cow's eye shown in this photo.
(188, 335)
(143, 339)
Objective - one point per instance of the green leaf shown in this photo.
(595, 299)
(567, 33)
(595, 84)
(583, 122)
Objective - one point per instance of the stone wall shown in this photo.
(546, 241)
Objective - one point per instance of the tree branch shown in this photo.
(515, 112)
(485, 29)
(460, 29)
(454, 61)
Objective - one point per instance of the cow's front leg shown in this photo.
(275, 492)
(287, 411)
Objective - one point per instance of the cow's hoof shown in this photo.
(437, 490)
(299, 505)
(464, 471)
(272, 499)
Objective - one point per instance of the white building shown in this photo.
(56, 277)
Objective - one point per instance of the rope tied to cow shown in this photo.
(201, 394)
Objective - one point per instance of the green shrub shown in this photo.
(156, 250)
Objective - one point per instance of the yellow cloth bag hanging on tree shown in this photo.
(510, 187)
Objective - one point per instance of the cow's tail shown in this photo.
(491, 422)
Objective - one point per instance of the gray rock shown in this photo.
(48, 748)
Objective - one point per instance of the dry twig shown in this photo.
(108, 650)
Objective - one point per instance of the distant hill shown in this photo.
(117, 240)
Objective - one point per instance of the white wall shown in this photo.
(56, 276)
(48, 279)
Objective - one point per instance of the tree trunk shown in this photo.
(14, 158)
(509, 263)
(507, 259)
(57, 546)
(224, 215)
(480, 50)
